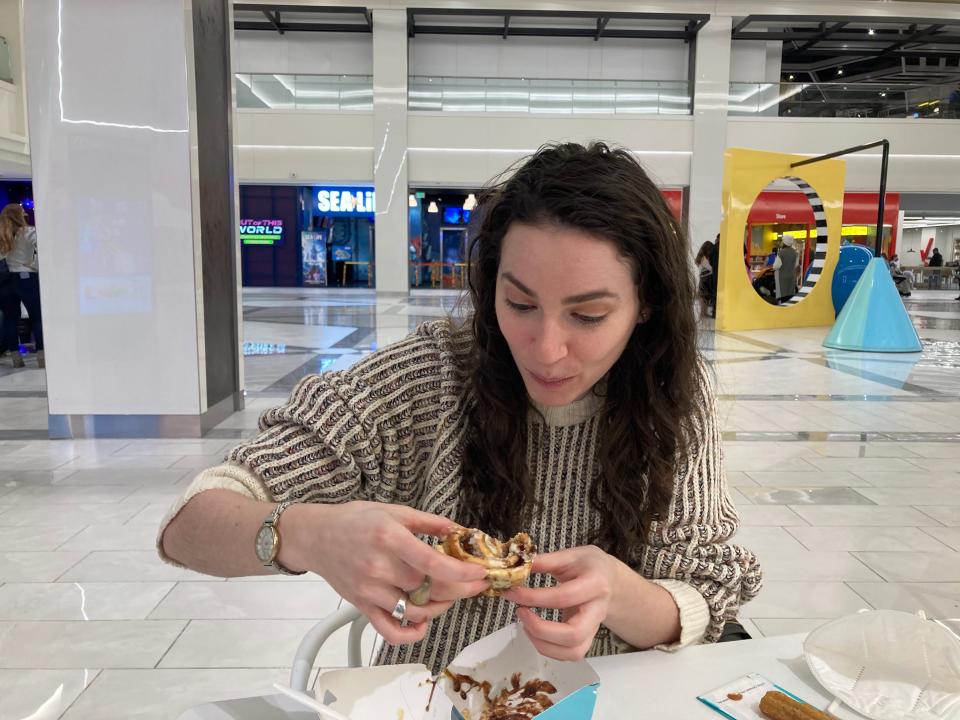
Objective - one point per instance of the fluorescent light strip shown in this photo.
(364, 148)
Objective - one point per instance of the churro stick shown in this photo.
(777, 706)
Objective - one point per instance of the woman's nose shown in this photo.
(550, 343)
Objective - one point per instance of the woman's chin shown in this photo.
(554, 397)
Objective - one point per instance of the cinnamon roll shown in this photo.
(508, 563)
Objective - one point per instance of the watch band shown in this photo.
(272, 521)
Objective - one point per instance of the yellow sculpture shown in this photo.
(746, 174)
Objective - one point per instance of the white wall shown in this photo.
(752, 61)
(257, 51)
(566, 58)
(304, 146)
(922, 151)
(466, 56)
(610, 59)
(467, 151)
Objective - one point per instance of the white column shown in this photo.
(711, 88)
(390, 148)
(132, 177)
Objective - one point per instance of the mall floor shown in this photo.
(844, 468)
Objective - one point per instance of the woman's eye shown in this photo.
(590, 319)
(519, 307)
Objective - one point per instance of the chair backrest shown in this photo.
(310, 646)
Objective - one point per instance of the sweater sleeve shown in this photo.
(361, 434)
(689, 552)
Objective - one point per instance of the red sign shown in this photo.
(789, 208)
(674, 198)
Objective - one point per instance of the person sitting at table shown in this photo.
(903, 279)
(572, 404)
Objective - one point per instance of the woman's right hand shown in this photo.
(370, 555)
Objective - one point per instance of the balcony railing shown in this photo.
(553, 97)
(305, 92)
(845, 100)
(601, 97)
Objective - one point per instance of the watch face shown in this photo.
(266, 542)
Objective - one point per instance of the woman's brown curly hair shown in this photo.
(650, 390)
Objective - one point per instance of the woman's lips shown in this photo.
(551, 383)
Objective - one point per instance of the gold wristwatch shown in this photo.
(268, 541)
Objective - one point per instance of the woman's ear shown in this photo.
(643, 316)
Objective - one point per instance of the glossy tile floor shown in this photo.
(844, 467)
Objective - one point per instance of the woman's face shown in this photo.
(566, 304)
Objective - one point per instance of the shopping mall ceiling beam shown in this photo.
(546, 23)
(865, 54)
(309, 18)
(824, 33)
(868, 32)
(916, 36)
(601, 26)
(274, 18)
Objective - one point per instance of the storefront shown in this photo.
(441, 226)
(775, 213)
(307, 236)
(440, 230)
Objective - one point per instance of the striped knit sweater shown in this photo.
(391, 429)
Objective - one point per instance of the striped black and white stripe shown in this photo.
(820, 249)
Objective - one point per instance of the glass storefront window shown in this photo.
(337, 236)
(307, 236)
(439, 238)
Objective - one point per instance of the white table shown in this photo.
(666, 684)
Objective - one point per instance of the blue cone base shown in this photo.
(874, 319)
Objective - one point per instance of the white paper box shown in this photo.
(386, 692)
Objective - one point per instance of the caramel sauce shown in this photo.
(516, 702)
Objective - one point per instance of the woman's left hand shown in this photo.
(587, 578)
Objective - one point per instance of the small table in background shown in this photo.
(343, 281)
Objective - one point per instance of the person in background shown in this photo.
(902, 278)
(18, 245)
(715, 278)
(785, 269)
(953, 103)
(936, 260)
(708, 282)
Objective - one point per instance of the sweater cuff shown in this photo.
(229, 476)
(694, 613)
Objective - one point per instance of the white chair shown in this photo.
(310, 646)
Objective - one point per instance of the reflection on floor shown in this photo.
(844, 467)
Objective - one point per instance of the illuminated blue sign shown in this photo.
(344, 201)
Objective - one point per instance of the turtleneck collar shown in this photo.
(574, 413)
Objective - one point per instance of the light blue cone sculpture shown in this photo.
(874, 318)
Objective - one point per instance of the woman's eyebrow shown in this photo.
(592, 295)
(523, 288)
(572, 300)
